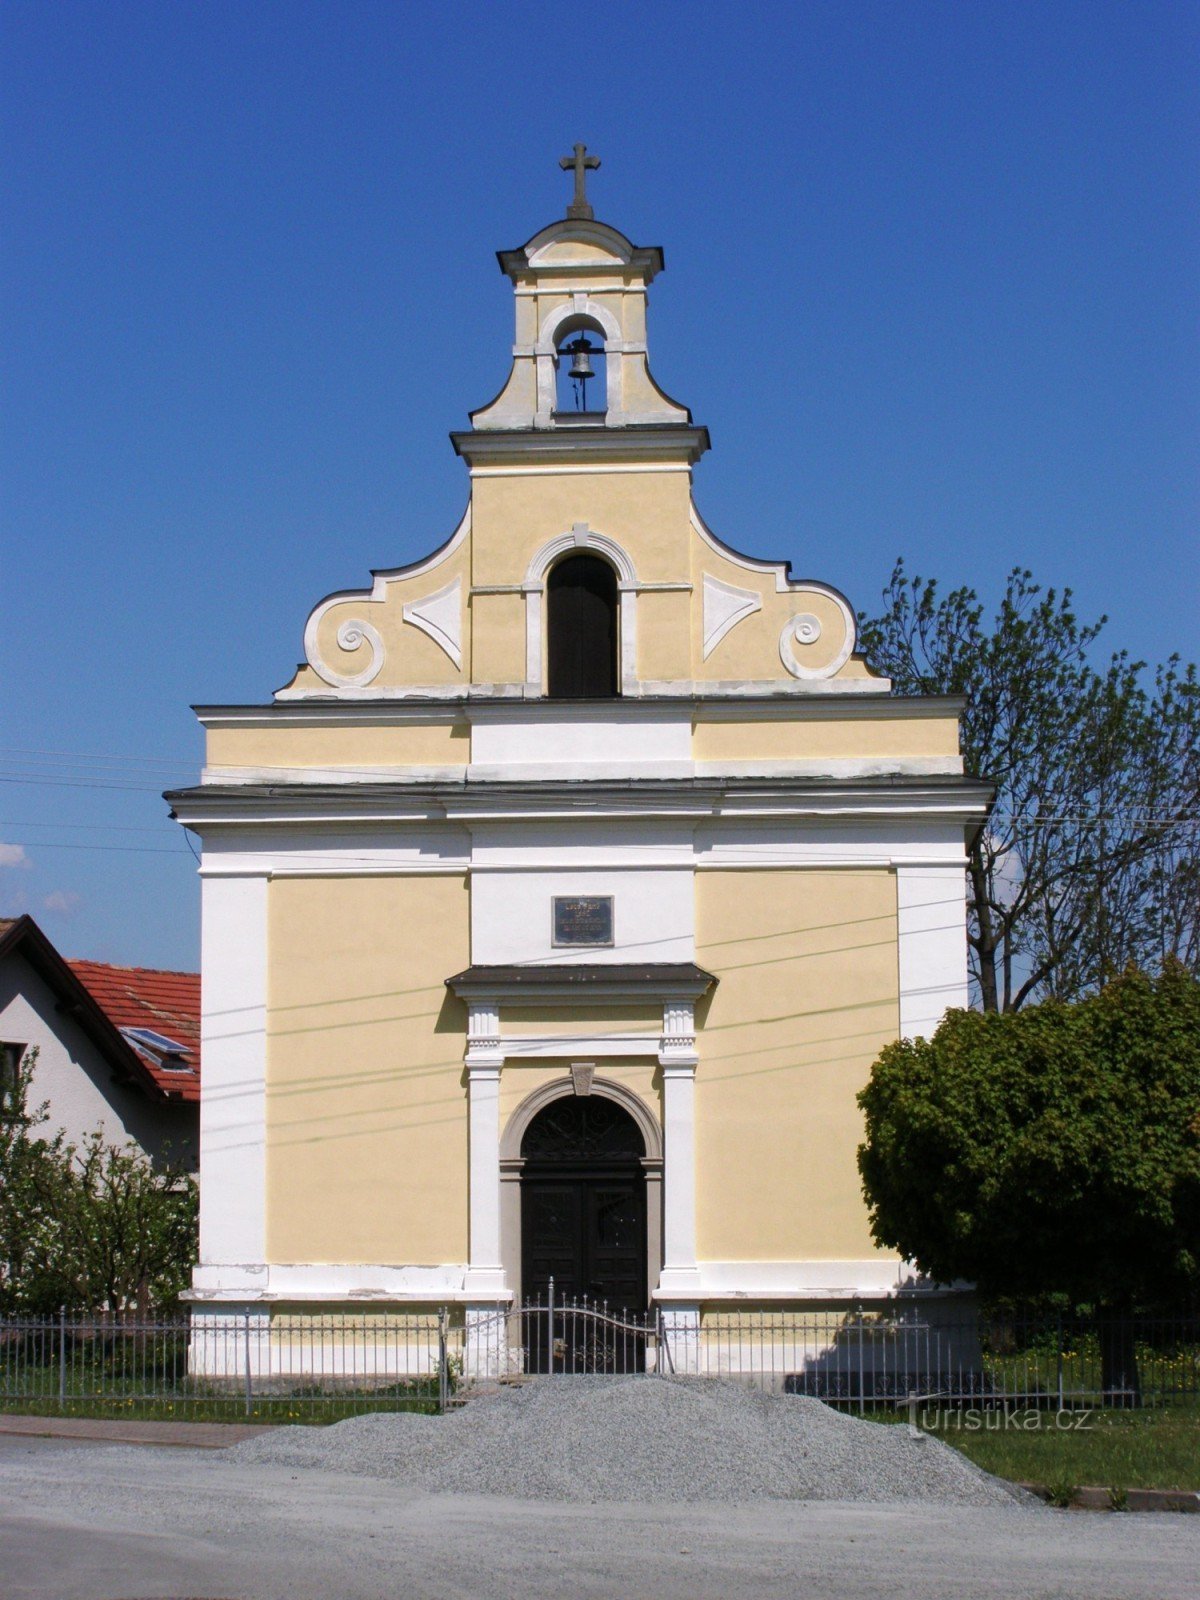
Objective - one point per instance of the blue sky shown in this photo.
(932, 284)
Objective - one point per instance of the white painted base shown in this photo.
(457, 1283)
(240, 1284)
(365, 1350)
(486, 1351)
(767, 1282)
(681, 1333)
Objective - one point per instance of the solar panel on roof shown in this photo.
(157, 1043)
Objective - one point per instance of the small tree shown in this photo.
(1052, 1151)
(1090, 859)
(93, 1228)
(30, 1170)
(124, 1236)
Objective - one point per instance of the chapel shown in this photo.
(556, 909)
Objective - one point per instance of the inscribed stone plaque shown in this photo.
(583, 919)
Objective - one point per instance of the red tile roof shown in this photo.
(165, 1002)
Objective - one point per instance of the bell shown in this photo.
(581, 352)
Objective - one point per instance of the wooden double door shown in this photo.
(587, 1232)
(583, 1225)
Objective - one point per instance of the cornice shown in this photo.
(962, 801)
(472, 708)
(634, 442)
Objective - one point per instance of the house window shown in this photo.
(11, 1056)
(581, 606)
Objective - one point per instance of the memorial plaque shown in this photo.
(583, 919)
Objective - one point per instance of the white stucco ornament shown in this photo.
(725, 605)
(805, 630)
(440, 616)
(351, 635)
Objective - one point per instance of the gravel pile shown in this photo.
(643, 1439)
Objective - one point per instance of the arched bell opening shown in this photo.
(581, 371)
(582, 608)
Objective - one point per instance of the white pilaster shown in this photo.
(679, 1270)
(485, 1272)
(931, 905)
(233, 1031)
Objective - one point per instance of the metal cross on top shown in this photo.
(583, 163)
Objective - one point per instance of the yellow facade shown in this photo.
(366, 1127)
(807, 999)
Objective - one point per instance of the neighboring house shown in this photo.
(118, 1048)
(554, 913)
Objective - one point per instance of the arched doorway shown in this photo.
(583, 1204)
(581, 625)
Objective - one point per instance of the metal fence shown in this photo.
(279, 1365)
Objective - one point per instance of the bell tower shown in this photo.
(579, 352)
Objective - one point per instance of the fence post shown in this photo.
(1058, 1351)
(862, 1381)
(246, 1329)
(550, 1322)
(443, 1371)
(62, 1358)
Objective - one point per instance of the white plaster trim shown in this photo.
(351, 635)
(725, 606)
(780, 1281)
(539, 291)
(580, 306)
(568, 469)
(829, 767)
(789, 707)
(759, 688)
(355, 632)
(932, 944)
(679, 1176)
(233, 1032)
(581, 537)
(408, 691)
(774, 569)
(327, 1282)
(557, 1047)
(858, 807)
(303, 851)
(485, 1273)
(440, 616)
(804, 629)
(327, 711)
(774, 703)
(573, 771)
(562, 1089)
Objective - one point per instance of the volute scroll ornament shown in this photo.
(805, 630)
(351, 635)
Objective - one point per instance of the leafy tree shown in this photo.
(1051, 1151)
(93, 1228)
(1090, 859)
(123, 1234)
(29, 1165)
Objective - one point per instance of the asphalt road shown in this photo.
(103, 1522)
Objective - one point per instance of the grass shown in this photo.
(221, 1408)
(1154, 1448)
(94, 1389)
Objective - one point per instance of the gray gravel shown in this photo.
(640, 1439)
